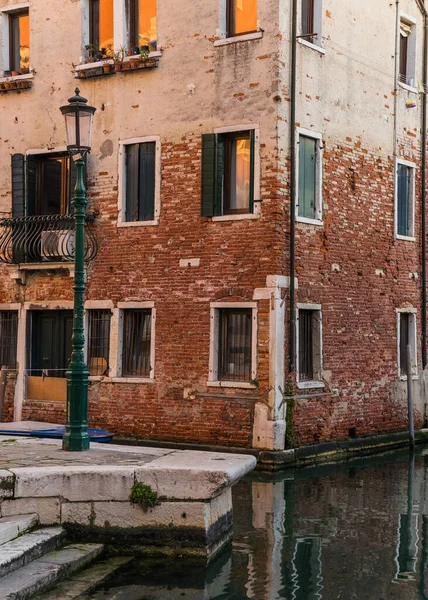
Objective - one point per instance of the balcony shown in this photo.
(43, 240)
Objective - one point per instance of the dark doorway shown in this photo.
(51, 342)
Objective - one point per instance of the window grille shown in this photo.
(235, 344)
(306, 367)
(8, 338)
(137, 325)
(99, 341)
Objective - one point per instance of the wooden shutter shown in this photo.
(131, 159)
(209, 174)
(72, 176)
(147, 176)
(307, 177)
(403, 57)
(18, 185)
(31, 185)
(252, 163)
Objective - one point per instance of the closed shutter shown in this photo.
(209, 174)
(72, 174)
(147, 175)
(252, 162)
(131, 167)
(18, 185)
(307, 177)
(403, 200)
(31, 208)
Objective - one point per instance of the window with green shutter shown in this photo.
(404, 203)
(140, 170)
(228, 161)
(309, 198)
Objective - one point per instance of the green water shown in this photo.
(358, 531)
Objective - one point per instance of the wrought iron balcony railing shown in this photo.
(46, 238)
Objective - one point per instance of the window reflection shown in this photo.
(245, 16)
(20, 42)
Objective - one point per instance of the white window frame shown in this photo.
(318, 14)
(301, 131)
(411, 52)
(213, 380)
(121, 222)
(413, 341)
(120, 28)
(318, 368)
(412, 165)
(223, 40)
(5, 11)
(257, 171)
(116, 332)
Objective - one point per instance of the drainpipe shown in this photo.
(423, 191)
(292, 347)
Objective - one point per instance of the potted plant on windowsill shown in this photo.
(118, 58)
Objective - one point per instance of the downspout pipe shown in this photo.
(292, 345)
(423, 190)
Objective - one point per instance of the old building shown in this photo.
(257, 176)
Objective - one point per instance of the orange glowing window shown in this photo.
(101, 24)
(19, 42)
(142, 25)
(241, 17)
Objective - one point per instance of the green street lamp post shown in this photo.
(78, 123)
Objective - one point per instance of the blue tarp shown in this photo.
(95, 435)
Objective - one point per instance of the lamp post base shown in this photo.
(75, 442)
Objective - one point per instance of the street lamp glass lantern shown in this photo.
(78, 123)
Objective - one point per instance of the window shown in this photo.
(309, 348)
(142, 24)
(311, 22)
(99, 341)
(101, 24)
(42, 184)
(8, 338)
(19, 42)
(241, 17)
(233, 343)
(229, 173)
(407, 59)
(139, 188)
(406, 336)
(404, 199)
(140, 181)
(309, 185)
(136, 343)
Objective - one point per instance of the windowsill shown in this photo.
(138, 223)
(245, 37)
(94, 65)
(133, 380)
(104, 378)
(317, 222)
(409, 88)
(243, 217)
(304, 42)
(17, 78)
(404, 377)
(232, 384)
(405, 238)
(305, 385)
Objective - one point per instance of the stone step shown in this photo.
(44, 572)
(22, 550)
(84, 582)
(12, 527)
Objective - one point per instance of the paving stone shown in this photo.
(22, 550)
(12, 527)
(44, 572)
(48, 509)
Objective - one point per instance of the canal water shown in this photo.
(355, 531)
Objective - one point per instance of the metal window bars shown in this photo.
(8, 338)
(99, 341)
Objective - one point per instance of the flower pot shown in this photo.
(7, 73)
(107, 68)
(135, 62)
(117, 67)
(15, 73)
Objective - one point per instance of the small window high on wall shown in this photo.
(101, 24)
(407, 57)
(142, 24)
(311, 22)
(19, 42)
(241, 17)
